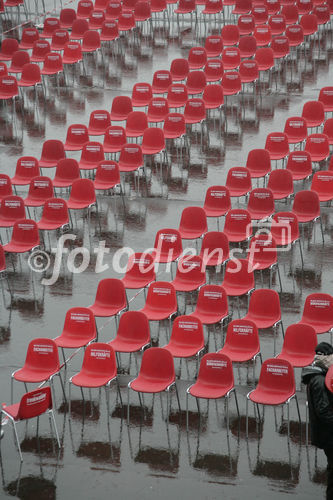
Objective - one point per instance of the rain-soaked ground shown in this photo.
(151, 457)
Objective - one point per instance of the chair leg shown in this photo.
(186, 410)
(17, 441)
(55, 427)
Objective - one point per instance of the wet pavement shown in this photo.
(154, 458)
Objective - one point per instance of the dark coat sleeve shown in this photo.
(322, 400)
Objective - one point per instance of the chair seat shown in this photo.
(120, 345)
(156, 315)
(269, 397)
(12, 410)
(200, 390)
(320, 327)
(183, 351)
(143, 384)
(181, 285)
(134, 283)
(207, 319)
(236, 290)
(104, 311)
(84, 380)
(262, 322)
(50, 226)
(72, 343)
(238, 355)
(18, 247)
(26, 375)
(297, 360)
(78, 204)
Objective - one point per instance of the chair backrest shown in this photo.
(212, 299)
(113, 9)
(242, 334)
(42, 353)
(318, 306)
(29, 36)
(326, 97)
(59, 38)
(263, 36)
(157, 364)
(247, 46)
(295, 35)
(191, 268)
(174, 125)
(277, 375)
(168, 242)
(158, 108)
(91, 41)
(277, 144)
(280, 180)
(131, 156)
(285, 227)
(41, 188)
(177, 95)
(214, 248)
(259, 160)
(19, 58)
(277, 23)
(8, 47)
(96, 19)
(162, 296)
(194, 218)
(239, 220)
(52, 63)
(179, 69)
(246, 24)
(216, 370)
(50, 25)
(79, 322)
(141, 94)
(39, 50)
(265, 303)
(35, 403)
(217, 198)
(195, 110)
(307, 203)
(79, 27)
(262, 251)
(30, 74)
(67, 17)
(239, 272)
(230, 34)
(239, 180)
(25, 232)
(161, 81)
(114, 138)
(53, 150)
(318, 146)
(12, 208)
(213, 71)
(3, 69)
(136, 122)
(260, 14)
(8, 86)
(153, 137)
(295, 128)
(55, 210)
(299, 338)
(77, 136)
(121, 107)
(299, 164)
(231, 57)
(110, 30)
(141, 265)
(322, 184)
(134, 325)
(67, 169)
(108, 172)
(99, 360)
(213, 45)
(313, 110)
(92, 153)
(187, 330)
(84, 7)
(197, 57)
(261, 200)
(83, 190)
(5, 186)
(99, 121)
(111, 292)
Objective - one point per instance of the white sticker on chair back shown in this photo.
(171, 238)
(41, 184)
(43, 349)
(320, 304)
(38, 398)
(163, 76)
(99, 353)
(28, 164)
(261, 194)
(217, 39)
(296, 123)
(80, 317)
(212, 295)
(277, 138)
(25, 227)
(131, 149)
(12, 203)
(57, 205)
(218, 364)
(162, 291)
(93, 149)
(198, 52)
(3, 182)
(317, 140)
(218, 194)
(328, 92)
(188, 325)
(243, 329)
(142, 88)
(78, 131)
(238, 216)
(278, 369)
(107, 166)
(100, 116)
(231, 52)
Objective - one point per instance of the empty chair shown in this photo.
(8, 47)
(82, 195)
(193, 223)
(141, 94)
(99, 369)
(295, 35)
(55, 215)
(92, 153)
(263, 36)
(140, 271)
(213, 97)
(260, 14)
(213, 70)
(295, 129)
(25, 237)
(238, 225)
(285, 230)
(121, 108)
(114, 139)
(53, 151)
(67, 17)
(107, 176)
(153, 143)
(322, 184)
(261, 204)
(133, 333)
(307, 208)
(215, 380)
(246, 25)
(247, 46)
(265, 58)
(161, 301)
(39, 50)
(113, 10)
(84, 8)
(238, 181)
(130, 158)
(5, 186)
(109, 31)
(242, 7)
(277, 23)
(197, 57)
(280, 182)
(262, 254)
(318, 312)
(277, 145)
(231, 83)
(299, 345)
(214, 248)
(167, 246)
(126, 22)
(8, 87)
(318, 146)
(79, 329)
(96, 19)
(326, 98)
(299, 164)
(196, 82)
(79, 27)
(52, 64)
(212, 305)
(40, 189)
(158, 108)
(77, 137)
(72, 52)
(238, 278)
(51, 24)
(29, 36)
(136, 123)
(31, 76)
(217, 201)
(91, 41)
(110, 298)
(67, 171)
(290, 12)
(59, 38)
(26, 169)
(161, 81)
(231, 58)
(179, 69)
(195, 111)
(19, 59)
(11, 210)
(99, 121)
(264, 309)
(230, 34)
(314, 113)
(213, 45)
(276, 386)
(32, 404)
(174, 127)
(190, 274)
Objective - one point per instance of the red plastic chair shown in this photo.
(263, 36)
(51, 24)
(277, 23)
(328, 130)
(92, 154)
(80, 26)
(59, 38)
(212, 305)
(3, 69)
(67, 171)
(161, 81)
(238, 278)
(318, 312)
(31, 76)
(196, 82)
(29, 36)
(246, 25)
(32, 404)
(247, 46)
(190, 274)
(273, 6)
(41, 364)
(39, 50)
(326, 98)
(77, 137)
(40, 190)
(157, 374)
(79, 329)
(53, 151)
(55, 215)
(239, 181)
(193, 223)
(263, 255)
(260, 14)
(213, 71)
(67, 17)
(295, 35)
(276, 386)
(213, 98)
(174, 127)
(323, 13)
(261, 204)
(136, 123)
(295, 129)
(25, 237)
(242, 7)
(217, 202)
(99, 369)
(26, 169)
(167, 246)
(177, 95)
(179, 69)
(130, 158)
(291, 14)
(142, 13)
(96, 19)
(11, 210)
(318, 146)
(72, 53)
(322, 184)
(126, 22)
(242, 342)
(153, 143)
(277, 145)
(141, 94)
(5, 186)
(231, 83)
(121, 108)
(249, 71)
(99, 121)
(8, 47)
(114, 139)
(158, 108)
(314, 113)
(107, 176)
(113, 10)
(140, 271)
(231, 58)
(280, 182)
(299, 164)
(230, 35)
(299, 345)
(109, 31)
(161, 301)
(258, 163)
(214, 248)
(238, 225)
(211, 7)
(91, 41)
(19, 59)
(264, 309)
(110, 299)
(187, 338)
(197, 58)
(8, 87)
(52, 64)
(195, 112)
(213, 46)
(304, 6)
(215, 380)
(84, 8)
(82, 195)
(285, 230)
(307, 208)
(133, 333)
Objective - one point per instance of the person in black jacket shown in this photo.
(320, 401)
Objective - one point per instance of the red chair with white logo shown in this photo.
(238, 278)
(299, 164)
(259, 163)
(261, 204)
(322, 184)
(133, 333)
(318, 312)
(26, 169)
(212, 305)
(307, 208)
(262, 254)
(53, 151)
(280, 182)
(264, 309)
(168, 245)
(299, 345)
(25, 237)
(140, 271)
(40, 190)
(5, 186)
(239, 181)
(238, 225)
(217, 202)
(190, 274)
(92, 154)
(55, 215)
(161, 301)
(11, 210)
(193, 223)
(77, 137)
(214, 248)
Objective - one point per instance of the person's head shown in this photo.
(324, 355)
